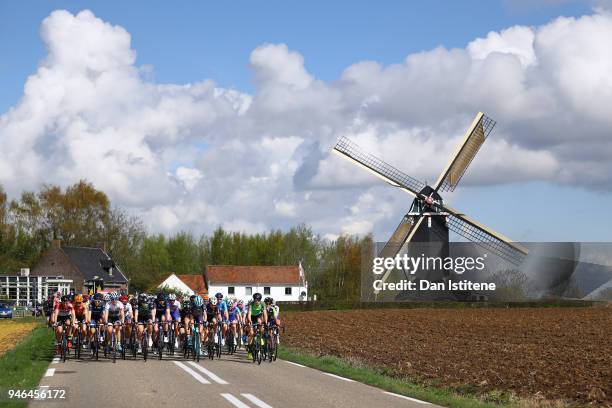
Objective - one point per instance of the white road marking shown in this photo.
(193, 373)
(296, 364)
(50, 372)
(340, 378)
(55, 360)
(408, 398)
(235, 401)
(212, 375)
(256, 400)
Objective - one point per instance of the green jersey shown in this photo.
(257, 309)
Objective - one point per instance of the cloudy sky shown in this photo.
(199, 116)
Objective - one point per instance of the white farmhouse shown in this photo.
(283, 283)
(189, 284)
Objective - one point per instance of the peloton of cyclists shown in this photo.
(109, 312)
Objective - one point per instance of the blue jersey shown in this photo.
(222, 307)
(233, 312)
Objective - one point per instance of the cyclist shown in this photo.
(143, 315)
(63, 313)
(222, 315)
(174, 308)
(81, 316)
(48, 309)
(272, 310)
(128, 312)
(211, 317)
(161, 316)
(256, 316)
(185, 312)
(114, 316)
(198, 314)
(234, 317)
(96, 314)
(242, 308)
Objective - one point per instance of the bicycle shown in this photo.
(145, 341)
(63, 342)
(210, 343)
(78, 340)
(256, 345)
(95, 342)
(272, 343)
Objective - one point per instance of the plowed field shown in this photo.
(548, 353)
(11, 333)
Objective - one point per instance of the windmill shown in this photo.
(429, 218)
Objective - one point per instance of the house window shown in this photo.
(248, 290)
(266, 290)
(288, 291)
(231, 290)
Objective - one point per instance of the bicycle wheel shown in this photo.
(63, 346)
(145, 344)
(160, 343)
(171, 338)
(114, 346)
(196, 345)
(218, 345)
(96, 344)
(79, 342)
(269, 348)
(275, 351)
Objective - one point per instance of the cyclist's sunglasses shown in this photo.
(77, 303)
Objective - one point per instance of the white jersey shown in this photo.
(114, 310)
(128, 311)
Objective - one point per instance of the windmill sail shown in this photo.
(350, 150)
(478, 233)
(475, 136)
(398, 242)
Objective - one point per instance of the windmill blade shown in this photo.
(475, 136)
(399, 241)
(484, 236)
(351, 151)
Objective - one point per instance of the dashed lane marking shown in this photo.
(295, 364)
(338, 377)
(195, 375)
(50, 372)
(256, 400)
(235, 401)
(55, 360)
(209, 373)
(408, 398)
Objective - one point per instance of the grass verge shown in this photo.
(375, 378)
(23, 366)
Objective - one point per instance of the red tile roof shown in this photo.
(195, 282)
(274, 275)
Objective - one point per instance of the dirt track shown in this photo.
(550, 353)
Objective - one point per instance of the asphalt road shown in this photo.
(232, 381)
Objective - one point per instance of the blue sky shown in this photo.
(187, 42)
(191, 40)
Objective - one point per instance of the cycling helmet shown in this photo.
(65, 298)
(142, 297)
(133, 301)
(106, 297)
(212, 301)
(78, 299)
(230, 303)
(219, 295)
(85, 298)
(205, 298)
(98, 296)
(198, 301)
(271, 300)
(124, 299)
(172, 297)
(113, 296)
(267, 300)
(240, 303)
(185, 304)
(257, 296)
(161, 297)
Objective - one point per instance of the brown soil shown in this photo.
(549, 353)
(11, 333)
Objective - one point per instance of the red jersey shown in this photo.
(64, 309)
(79, 311)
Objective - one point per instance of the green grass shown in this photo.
(23, 366)
(376, 378)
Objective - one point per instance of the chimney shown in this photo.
(56, 243)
